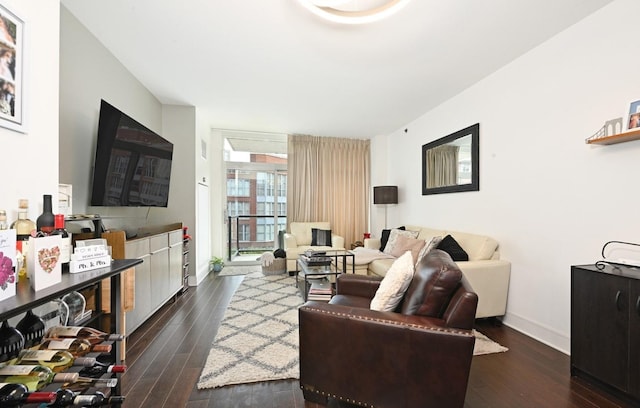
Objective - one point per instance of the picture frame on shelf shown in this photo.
(12, 70)
(634, 116)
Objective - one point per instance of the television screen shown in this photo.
(132, 163)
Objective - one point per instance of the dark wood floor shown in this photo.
(166, 355)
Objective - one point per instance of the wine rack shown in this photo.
(27, 299)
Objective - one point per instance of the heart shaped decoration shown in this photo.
(48, 258)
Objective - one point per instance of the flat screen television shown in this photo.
(132, 165)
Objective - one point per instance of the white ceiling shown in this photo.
(272, 66)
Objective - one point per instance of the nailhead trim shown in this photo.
(386, 321)
(334, 396)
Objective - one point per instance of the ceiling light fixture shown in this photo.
(353, 11)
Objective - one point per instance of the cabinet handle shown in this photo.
(618, 300)
(638, 306)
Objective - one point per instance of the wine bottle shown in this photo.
(102, 400)
(93, 335)
(46, 221)
(59, 229)
(56, 360)
(32, 328)
(98, 371)
(15, 395)
(69, 398)
(76, 347)
(34, 377)
(24, 228)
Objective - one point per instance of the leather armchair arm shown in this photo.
(357, 285)
(406, 360)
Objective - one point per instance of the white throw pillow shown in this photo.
(393, 238)
(394, 284)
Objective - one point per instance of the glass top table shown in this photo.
(337, 266)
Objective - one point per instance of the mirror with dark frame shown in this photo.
(452, 163)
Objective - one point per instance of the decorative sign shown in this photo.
(43, 261)
(8, 266)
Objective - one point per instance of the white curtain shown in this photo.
(442, 166)
(328, 180)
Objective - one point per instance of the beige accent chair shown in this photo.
(298, 240)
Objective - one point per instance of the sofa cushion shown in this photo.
(435, 280)
(394, 284)
(404, 244)
(385, 237)
(451, 246)
(393, 238)
(320, 237)
(302, 231)
(478, 247)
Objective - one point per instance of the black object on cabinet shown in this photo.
(605, 327)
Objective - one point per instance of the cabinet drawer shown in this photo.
(158, 243)
(137, 248)
(175, 238)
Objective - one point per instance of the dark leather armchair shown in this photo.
(416, 356)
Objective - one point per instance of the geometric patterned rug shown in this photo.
(258, 336)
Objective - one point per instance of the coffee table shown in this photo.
(308, 272)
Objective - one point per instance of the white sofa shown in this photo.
(298, 240)
(485, 271)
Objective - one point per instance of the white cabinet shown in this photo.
(158, 278)
(139, 249)
(159, 261)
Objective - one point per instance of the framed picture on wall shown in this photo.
(634, 116)
(12, 50)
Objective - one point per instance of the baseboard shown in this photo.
(539, 332)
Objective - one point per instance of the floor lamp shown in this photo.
(385, 195)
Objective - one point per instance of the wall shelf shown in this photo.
(614, 139)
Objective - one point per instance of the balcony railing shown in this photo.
(237, 247)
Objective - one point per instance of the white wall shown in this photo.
(89, 73)
(551, 200)
(29, 162)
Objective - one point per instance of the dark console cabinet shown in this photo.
(605, 327)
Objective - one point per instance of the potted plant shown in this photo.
(216, 263)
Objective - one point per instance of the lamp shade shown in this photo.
(385, 195)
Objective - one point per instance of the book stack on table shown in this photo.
(315, 258)
(321, 290)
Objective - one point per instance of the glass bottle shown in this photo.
(56, 360)
(98, 371)
(32, 328)
(46, 221)
(11, 342)
(102, 400)
(77, 347)
(34, 377)
(24, 228)
(94, 336)
(3, 220)
(16, 395)
(59, 229)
